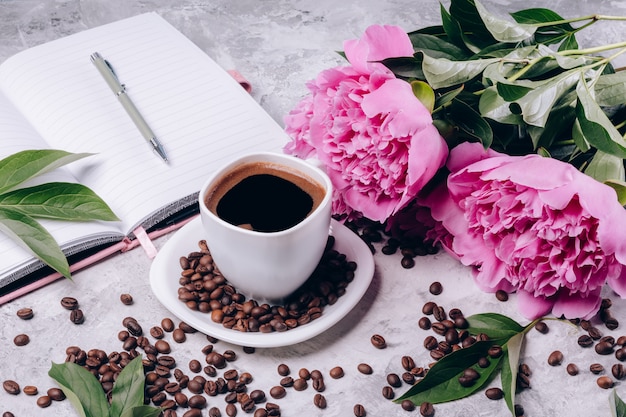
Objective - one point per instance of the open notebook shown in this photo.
(51, 96)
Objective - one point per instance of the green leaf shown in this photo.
(510, 367)
(604, 167)
(471, 122)
(424, 93)
(512, 92)
(503, 30)
(142, 411)
(569, 43)
(81, 388)
(540, 15)
(22, 166)
(28, 232)
(58, 200)
(620, 189)
(496, 326)
(405, 67)
(442, 72)
(493, 106)
(617, 406)
(436, 47)
(128, 390)
(454, 31)
(448, 96)
(440, 384)
(610, 89)
(474, 30)
(595, 125)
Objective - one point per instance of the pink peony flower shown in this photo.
(375, 139)
(534, 225)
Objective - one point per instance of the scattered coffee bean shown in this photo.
(585, 340)
(435, 288)
(162, 346)
(77, 316)
(260, 412)
(30, 390)
(25, 313)
(126, 299)
(502, 295)
(596, 368)
(167, 324)
(494, 351)
(336, 372)
(388, 392)
(277, 392)
(494, 393)
(427, 409)
(424, 323)
(300, 384)
(555, 358)
(594, 333)
(542, 327)
(407, 363)
(306, 374)
(604, 348)
(197, 401)
(319, 400)
(378, 341)
(359, 410)
(11, 387)
(605, 382)
(620, 354)
(179, 336)
(572, 369)
(231, 410)
(407, 405)
(429, 307)
(364, 368)
(618, 371)
(69, 303)
(518, 410)
(215, 412)
(44, 401)
(21, 340)
(56, 394)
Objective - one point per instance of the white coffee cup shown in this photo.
(267, 266)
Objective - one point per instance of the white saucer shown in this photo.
(165, 272)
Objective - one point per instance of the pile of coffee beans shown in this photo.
(203, 288)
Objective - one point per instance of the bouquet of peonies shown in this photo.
(498, 138)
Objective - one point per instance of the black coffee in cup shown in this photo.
(264, 196)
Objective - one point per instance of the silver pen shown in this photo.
(119, 90)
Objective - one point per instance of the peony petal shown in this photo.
(618, 282)
(467, 153)
(533, 307)
(377, 43)
(577, 305)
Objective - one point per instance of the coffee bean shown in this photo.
(378, 341)
(439, 328)
(594, 333)
(388, 392)
(30, 390)
(77, 316)
(620, 354)
(407, 262)
(56, 394)
(319, 401)
(286, 381)
(258, 396)
(306, 374)
(408, 378)
(260, 412)
(179, 336)
(364, 368)
(231, 410)
(435, 288)
(300, 384)
(596, 368)
(555, 358)
(407, 405)
(162, 347)
(11, 387)
(277, 392)
(618, 371)
(167, 324)
(572, 369)
(69, 303)
(605, 382)
(585, 341)
(494, 393)
(359, 410)
(542, 327)
(44, 401)
(21, 340)
(427, 409)
(439, 313)
(494, 351)
(429, 307)
(318, 384)
(283, 370)
(197, 401)
(424, 323)
(133, 326)
(430, 342)
(8, 414)
(336, 372)
(25, 313)
(502, 295)
(407, 363)
(394, 380)
(604, 348)
(126, 299)
(194, 412)
(518, 410)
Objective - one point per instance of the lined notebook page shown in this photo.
(199, 113)
(17, 135)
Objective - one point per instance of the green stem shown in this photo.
(592, 17)
(594, 50)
